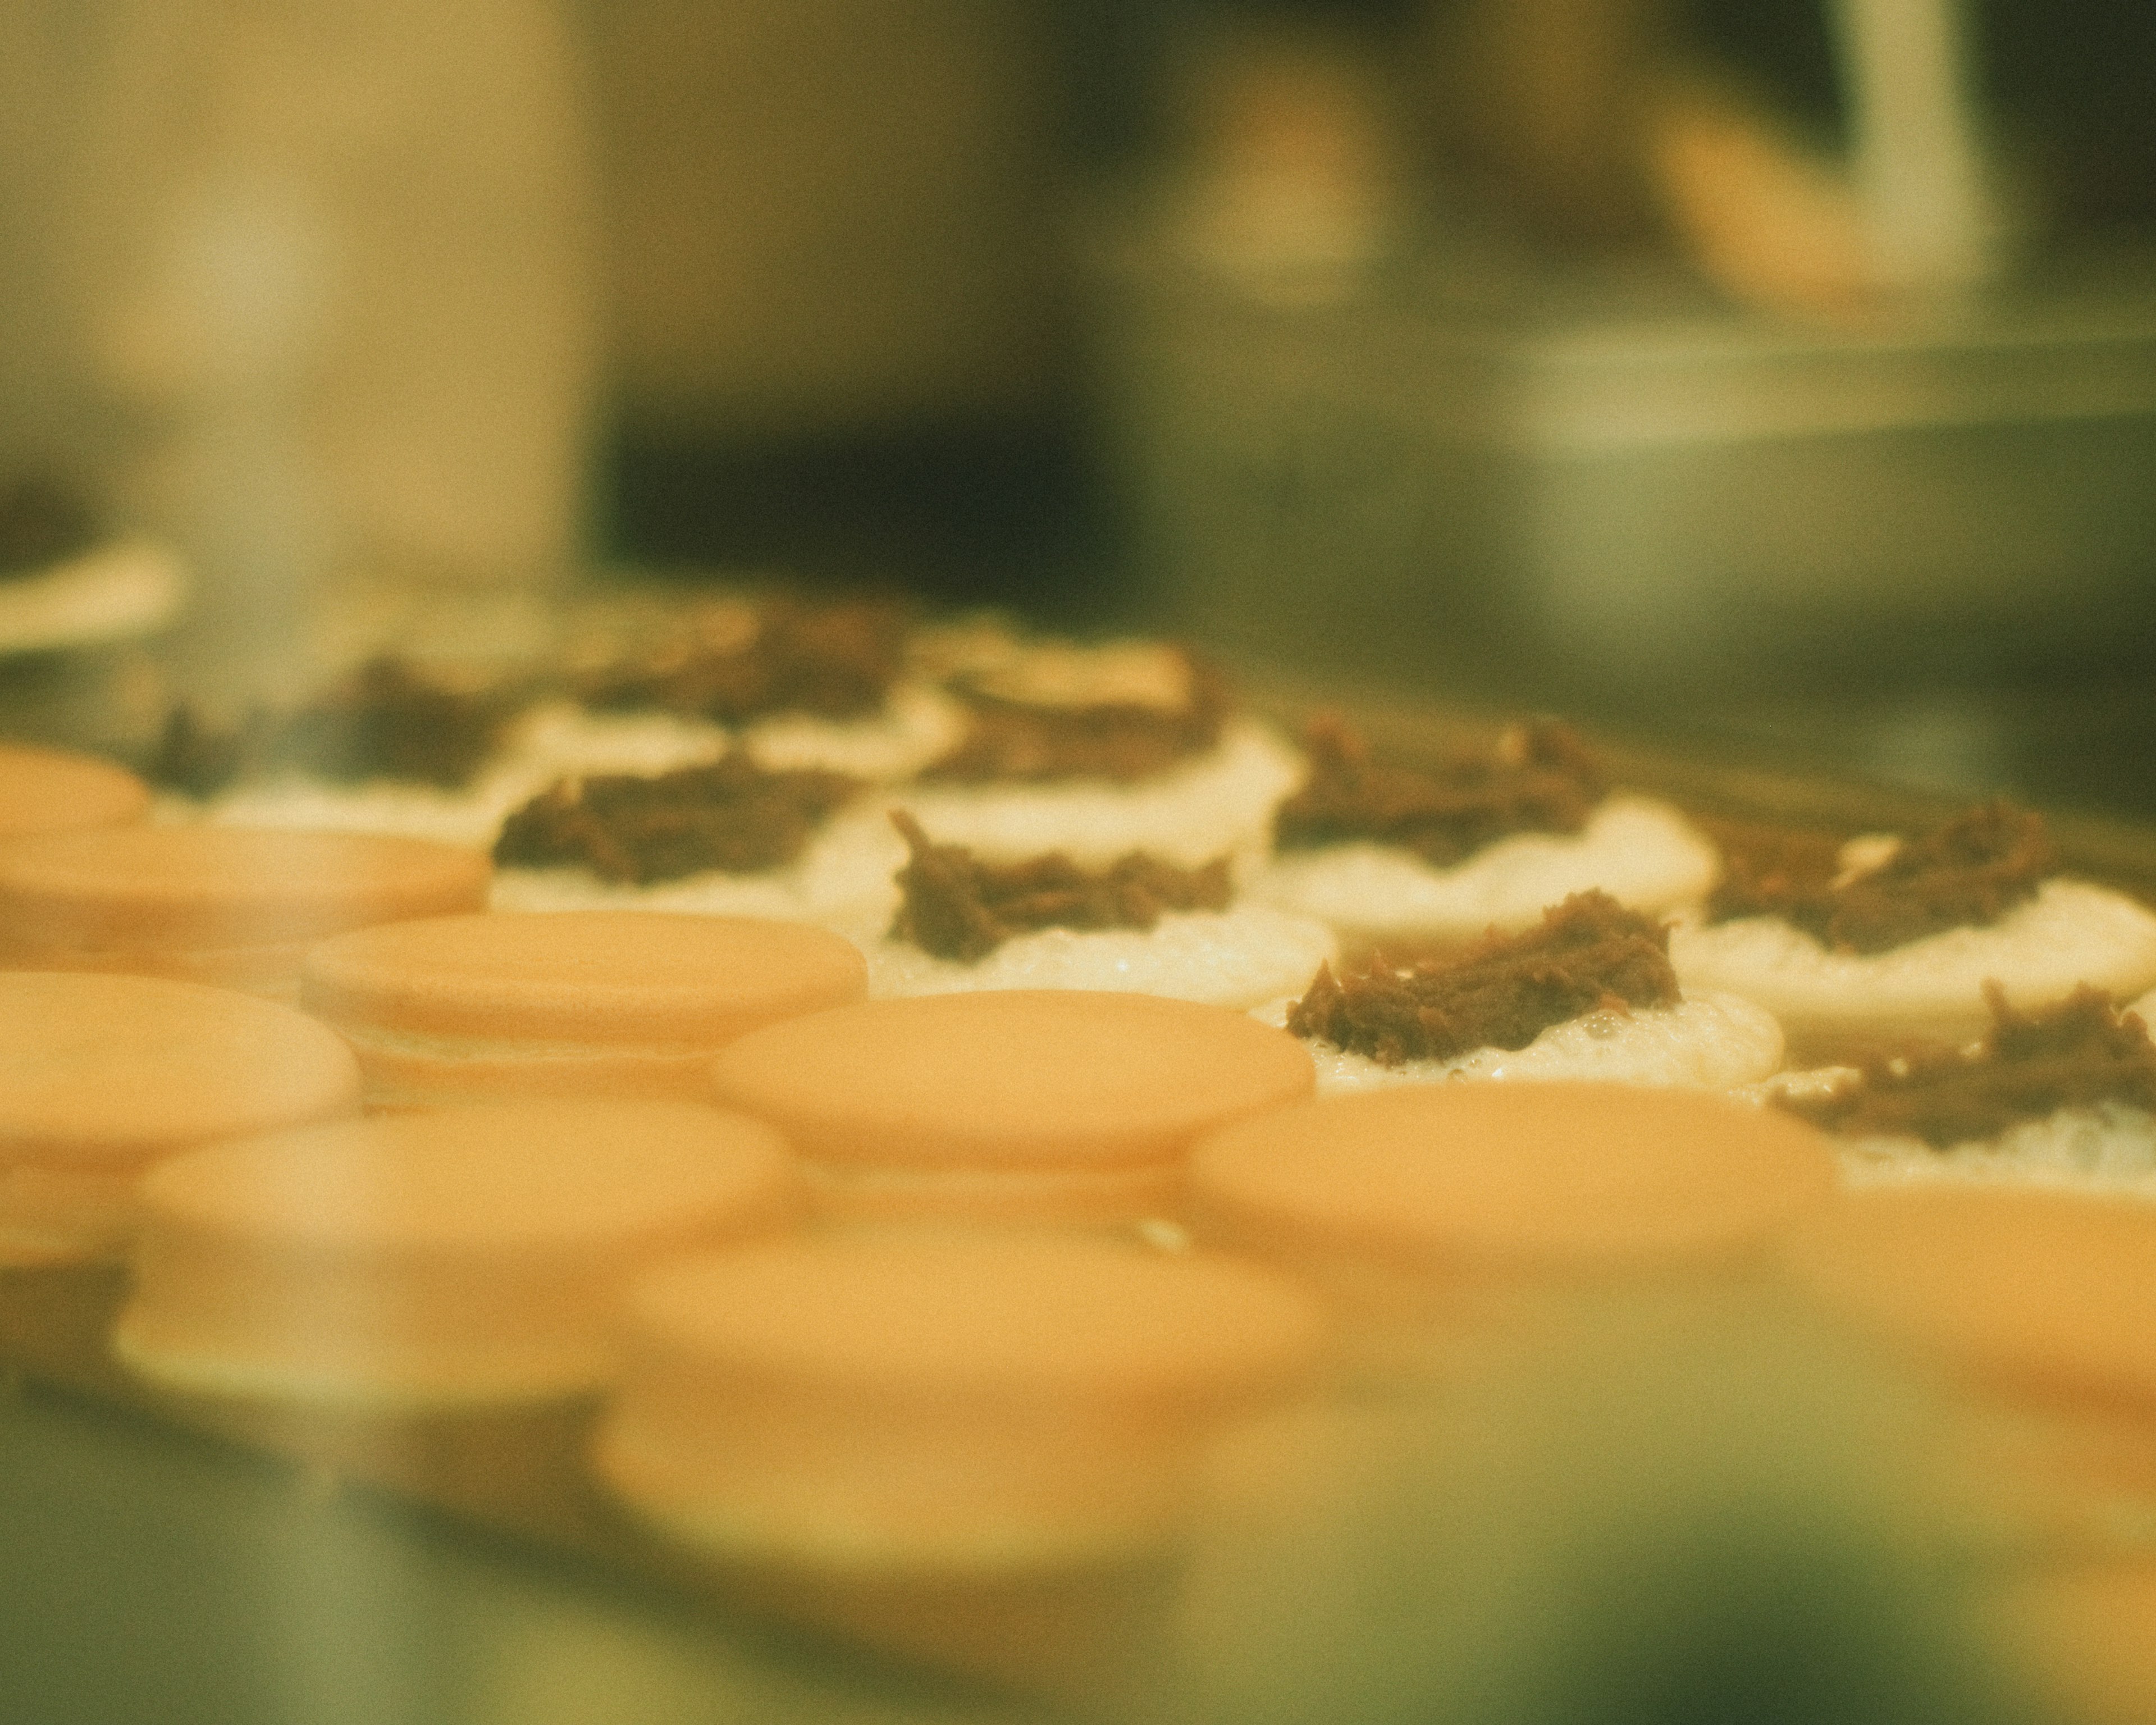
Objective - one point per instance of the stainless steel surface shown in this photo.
(1609, 477)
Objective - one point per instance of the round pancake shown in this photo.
(583, 977)
(100, 1075)
(2043, 1290)
(1642, 852)
(1242, 957)
(963, 1405)
(2069, 933)
(989, 1320)
(1714, 1042)
(108, 1071)
(200, 886)
(1521, 1177)
(465, 1255)
(51, 791)
(1027, 1079)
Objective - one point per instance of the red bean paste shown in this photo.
(836, 660)
(957, 906)
(1969, 872)
(42, 523)
(2029, 1066)
(386, 721)
(730, 815)
(389, 721)
(1537, 778)
(1588, 954)
(1009, 740)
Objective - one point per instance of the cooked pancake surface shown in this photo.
(1025, 1078)
(588, 977)
(532, 1175)
(988, 1319)
(463, 1255)
(177, 886)
(2040, 1286)
(1521, 1174)
(965, 1406)
(105, 1070)
(49, 790)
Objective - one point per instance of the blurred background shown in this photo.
(1778, 375)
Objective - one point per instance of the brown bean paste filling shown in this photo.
(957, 906)
(1018, 741)
(386, 720)
(730, 815)
(2029, 1066)
(1969, 872)
(835, 660)
(1537, 778)
(1588, 954)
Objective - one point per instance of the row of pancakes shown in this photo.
(828, 1388)
(1105, 818)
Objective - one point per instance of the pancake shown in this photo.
(1588, 993)
(1239, 958)
(2064, 1096)
(930, 1406)
(228, 905)
(2069, 933)
(54, 791)
(1429, 1213)
(461, 1258)
(1214, 803)
(593, 1003)
(1641, 852)
(2047, 1290)
(558, 740)
(2034, 1313)
(101, 1076)
(1038, 1105)
(916, 724)
(548, 741)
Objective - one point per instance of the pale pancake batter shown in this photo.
(1216, 803)
(2069, 933)
(1641, 852)
(1239, 957)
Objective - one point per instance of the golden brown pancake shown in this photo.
(568, 1003)
(101, 1076)
(1053, 1105)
